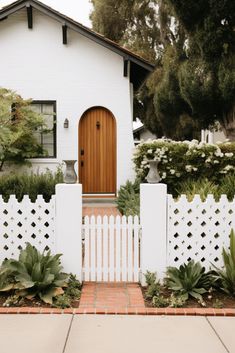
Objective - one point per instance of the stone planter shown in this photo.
(153, 176)
(70, 176)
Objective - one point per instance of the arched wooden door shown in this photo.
(97, 152)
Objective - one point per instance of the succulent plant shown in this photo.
(37, 274)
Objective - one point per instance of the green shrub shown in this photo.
(32, 185)
(189, 280)
(227, 186)
(176, 301)
(153, 285)
(226, 276)
(71, 292)
(37, 274)
(128, 201)
(179, 161)
(159, 301)
(74, 287)
(62, 301)
(202, 187)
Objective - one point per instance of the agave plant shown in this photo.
(189, 280)
(226, 276)
(37, 274)
(7, 281)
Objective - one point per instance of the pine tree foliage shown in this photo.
(193, 46)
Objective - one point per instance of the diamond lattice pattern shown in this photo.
(25, 221)
(199, 230)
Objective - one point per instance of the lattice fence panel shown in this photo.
(26, 221)
(199, 230)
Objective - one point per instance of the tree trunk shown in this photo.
(228, 124)
(1, 165)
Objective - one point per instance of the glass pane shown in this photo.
(48, 138)
(49, 120)
(50, 150)
(36, 108)
(38, 137)
(47, 108)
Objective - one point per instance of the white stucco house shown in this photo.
(81, 81)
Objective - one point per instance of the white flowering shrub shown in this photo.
(180, 161)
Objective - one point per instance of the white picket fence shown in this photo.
(111, 249)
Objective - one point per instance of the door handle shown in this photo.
(82, 152)
(82, 163)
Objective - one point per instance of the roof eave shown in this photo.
(86, 32)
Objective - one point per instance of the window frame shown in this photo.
(51, 102)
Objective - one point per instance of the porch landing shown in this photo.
(99, 207)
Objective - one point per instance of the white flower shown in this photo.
(150, 151)
(172, 171)
(163, 175)
(203, 155)
(188, 168)
(195, 169)
(228, 167)
(208, 160)
(216, 162)
(229, 154)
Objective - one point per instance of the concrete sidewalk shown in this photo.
(115, 334)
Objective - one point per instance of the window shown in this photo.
(47, 139)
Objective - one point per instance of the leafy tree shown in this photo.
(193, 45)
(145, 27)
(207, 75)
(18, 123)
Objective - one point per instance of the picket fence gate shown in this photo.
(111, 249)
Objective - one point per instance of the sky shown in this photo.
(79, 10)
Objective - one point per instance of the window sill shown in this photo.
(51, 160)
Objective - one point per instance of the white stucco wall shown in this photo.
(77, 76)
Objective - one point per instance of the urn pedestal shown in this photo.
(70, 176)
(153, 176)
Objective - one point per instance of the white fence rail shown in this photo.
(199, 230)
(111, 249)
(26, 221)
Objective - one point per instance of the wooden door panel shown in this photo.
(97, 138)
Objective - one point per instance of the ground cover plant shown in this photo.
(37, 277)
(191, 286)
(30, 184)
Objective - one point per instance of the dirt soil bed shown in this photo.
(227, 302)
(34, 303)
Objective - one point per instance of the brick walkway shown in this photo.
(100, 210)
(115, 296)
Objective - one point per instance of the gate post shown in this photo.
(153, 218)
(69, 227)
